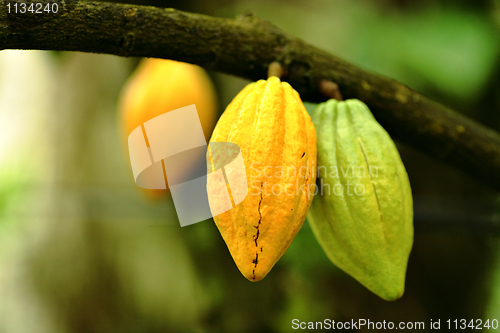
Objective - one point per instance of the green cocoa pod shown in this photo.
(362, 214)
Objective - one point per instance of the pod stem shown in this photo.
(330, 89)
(275, 69)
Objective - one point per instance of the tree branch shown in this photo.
(245, 47)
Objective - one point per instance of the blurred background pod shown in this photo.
(158, 86)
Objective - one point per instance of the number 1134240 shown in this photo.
(32, 8)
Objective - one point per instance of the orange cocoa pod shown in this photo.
(269, 123)
(158, 86)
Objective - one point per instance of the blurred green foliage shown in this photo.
(434, 47)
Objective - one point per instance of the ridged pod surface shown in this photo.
(363, 213)
(268, 121)
(158, 86)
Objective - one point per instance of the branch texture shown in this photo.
(245, 47)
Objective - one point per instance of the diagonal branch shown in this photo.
(245, 47)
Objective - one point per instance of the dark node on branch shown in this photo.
(330, 89)
(275, 69)
(250, 17)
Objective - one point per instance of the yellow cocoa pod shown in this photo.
(269, 123)
(158, 86)
(363, 213)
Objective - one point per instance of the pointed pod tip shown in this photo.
(254, 276)
(391, 295)
(388, 291)
(253, 272)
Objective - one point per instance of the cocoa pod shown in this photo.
(158, 86)
(362, 215)
(269, 123)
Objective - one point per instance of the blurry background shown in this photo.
(82, 250)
